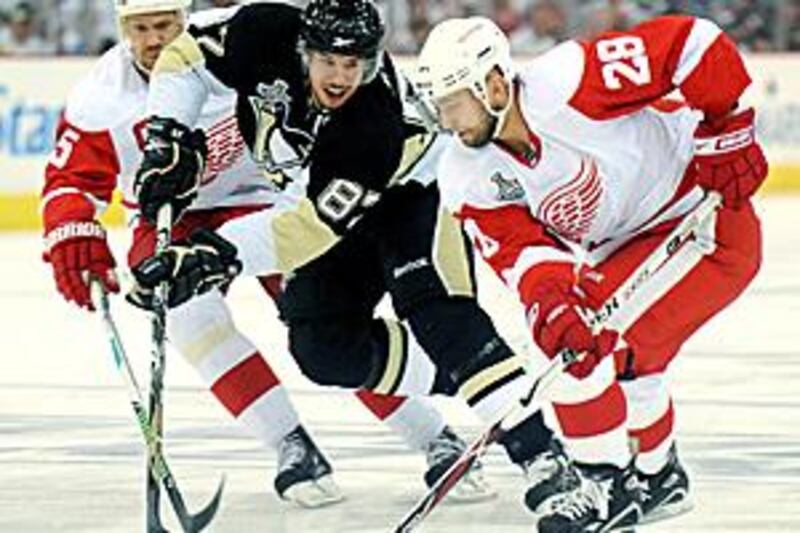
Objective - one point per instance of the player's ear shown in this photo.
(497, 89)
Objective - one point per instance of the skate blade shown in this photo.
(669, 510)
(626, 521)
(315, 493)
(471, 489)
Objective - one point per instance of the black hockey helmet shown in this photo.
(350, 27)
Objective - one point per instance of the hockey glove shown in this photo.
(77, 249)
(728, 157)
(200, 264)
(173, 163)
(557, 310)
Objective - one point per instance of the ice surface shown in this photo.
(71, 457)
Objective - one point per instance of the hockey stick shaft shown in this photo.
(159, 469)
(524, 407)
(157, 367)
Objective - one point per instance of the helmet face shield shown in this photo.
(344, 27)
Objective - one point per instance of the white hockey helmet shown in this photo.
(459, 54)
(126, 8)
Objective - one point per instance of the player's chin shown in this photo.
(149, 61)
(473, 139)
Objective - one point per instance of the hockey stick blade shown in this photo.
(193, 523)
(158, 470)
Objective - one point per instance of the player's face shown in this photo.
(149, 34)
(334, 78)
(466, 116)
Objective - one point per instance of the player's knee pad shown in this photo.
(333, 352)
(461, 340)
(456, 332)
(202, 330)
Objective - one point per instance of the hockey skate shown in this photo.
(304, 475)
(570, 499)
(666, 493)
(441, 453)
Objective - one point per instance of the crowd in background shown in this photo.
(86, 27)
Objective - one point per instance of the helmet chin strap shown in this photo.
(499, 114)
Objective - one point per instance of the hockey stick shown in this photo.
(158, 465)
(157, 363)
(156, 412)
(683, 233)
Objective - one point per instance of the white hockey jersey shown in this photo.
(611, 156)
(101, 133)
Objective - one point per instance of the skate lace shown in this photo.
(542, 468)
(593, 495)
(292, 451)
(442, 448)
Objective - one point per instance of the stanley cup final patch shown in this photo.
(508, 189)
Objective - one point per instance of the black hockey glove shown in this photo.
(174, 161)
(200, 264)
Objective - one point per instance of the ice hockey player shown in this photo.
(568, 172)
(98, 150)
(324, 111)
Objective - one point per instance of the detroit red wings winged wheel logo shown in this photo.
(572, 208)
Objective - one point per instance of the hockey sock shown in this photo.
(414, 419)
(203, 331)
(592, 414)
(650, 421)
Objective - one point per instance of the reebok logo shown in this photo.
(417, 264)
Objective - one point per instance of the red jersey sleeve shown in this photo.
(516, 245)
(81, 171)
(625, 71)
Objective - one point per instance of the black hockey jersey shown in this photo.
(352, 153)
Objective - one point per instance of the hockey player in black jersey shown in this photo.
(327, 115)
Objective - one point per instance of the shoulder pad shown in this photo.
(551, 79)
(111, 93)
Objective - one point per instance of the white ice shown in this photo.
(71, 457)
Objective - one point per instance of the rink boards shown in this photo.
(33, 92)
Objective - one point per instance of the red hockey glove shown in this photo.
(558, 322)
(77, 249)
(728, 158)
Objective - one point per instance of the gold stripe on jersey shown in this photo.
(181, 54)
(488, 377)
(300, 236)
(450, 256)
(414, 148)
(395, 361)
(203, 346)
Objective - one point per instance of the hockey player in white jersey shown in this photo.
(98, 150)
(567, 173)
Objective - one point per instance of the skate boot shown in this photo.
(575, 499)
(441, 453)
(666, 493)
(304, 475)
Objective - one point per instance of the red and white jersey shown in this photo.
(101, 133)
(609, 156)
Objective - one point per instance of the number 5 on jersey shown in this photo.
(64, 147)
(624, 58)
